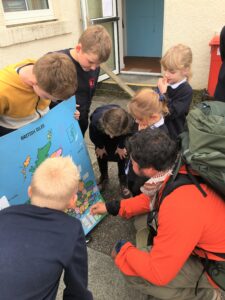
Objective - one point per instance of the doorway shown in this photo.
(104, 12)
(142, 36)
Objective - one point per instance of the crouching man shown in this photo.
(189, 227)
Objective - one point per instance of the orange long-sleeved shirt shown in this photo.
(186, 220)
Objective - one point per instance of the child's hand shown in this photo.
(162, 85)
(100, 152)
(77, 113)
(141, 126)
(121, 152)
(98, 209)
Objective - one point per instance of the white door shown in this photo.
(104, 12)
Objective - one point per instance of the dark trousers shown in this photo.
(103, 164)
(4, 131)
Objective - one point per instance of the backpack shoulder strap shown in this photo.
(180, 179)
(221, 255)
(174, 183)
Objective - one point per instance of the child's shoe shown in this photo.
(124, 191)
(103, 182)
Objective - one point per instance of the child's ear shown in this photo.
(72, 202)
(29, 191)
(75, 198)
(78, 48)
(186, 71)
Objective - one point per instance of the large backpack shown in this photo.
(203, 143)
(202, 150)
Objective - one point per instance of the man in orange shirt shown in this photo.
(189, 225)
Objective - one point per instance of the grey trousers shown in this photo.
(180, 288)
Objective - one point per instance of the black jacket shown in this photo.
(220, 87)
(98, 136)
(87, 83)
(179, 101)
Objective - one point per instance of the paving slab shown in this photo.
(105, 281)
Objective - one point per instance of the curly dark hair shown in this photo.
(152, 148)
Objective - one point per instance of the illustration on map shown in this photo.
(23, 150)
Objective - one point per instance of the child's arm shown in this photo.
(76, 271)
(77, 113)
(96, 136)
(162, 85)
(179, 101)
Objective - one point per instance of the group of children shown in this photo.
(27, 88)
(165, 108)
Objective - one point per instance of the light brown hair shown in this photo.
(116, 121)
(145, 103)
(178, 57)
(96, 39)
(54, 183)
(56, 74)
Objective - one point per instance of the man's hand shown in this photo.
(162, 85)
(113, 253)
(98, 209)
(121, 152)
(100, 152)
(77, 113)
(116, 249)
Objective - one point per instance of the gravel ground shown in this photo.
(111, 229)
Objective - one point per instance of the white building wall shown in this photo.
(189, 21)
(194, 23)
(34, 40)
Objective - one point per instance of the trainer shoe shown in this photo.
(124, 191)
(103, 182)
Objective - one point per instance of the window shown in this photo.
(26, 11)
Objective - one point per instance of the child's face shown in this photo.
(88, 61)
(144, 122)
(174, 76)
(42, 94)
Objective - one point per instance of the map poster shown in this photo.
(23, 150)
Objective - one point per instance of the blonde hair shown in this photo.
(56, 74)
(96, 39)
(145, 103)
(178, 57)
(54, 183)
(116, 121)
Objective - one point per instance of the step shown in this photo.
(134, 81)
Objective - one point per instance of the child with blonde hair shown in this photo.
(148, 110)
(176, 65)
(40, 241)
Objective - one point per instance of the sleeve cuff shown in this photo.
(113, 207)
